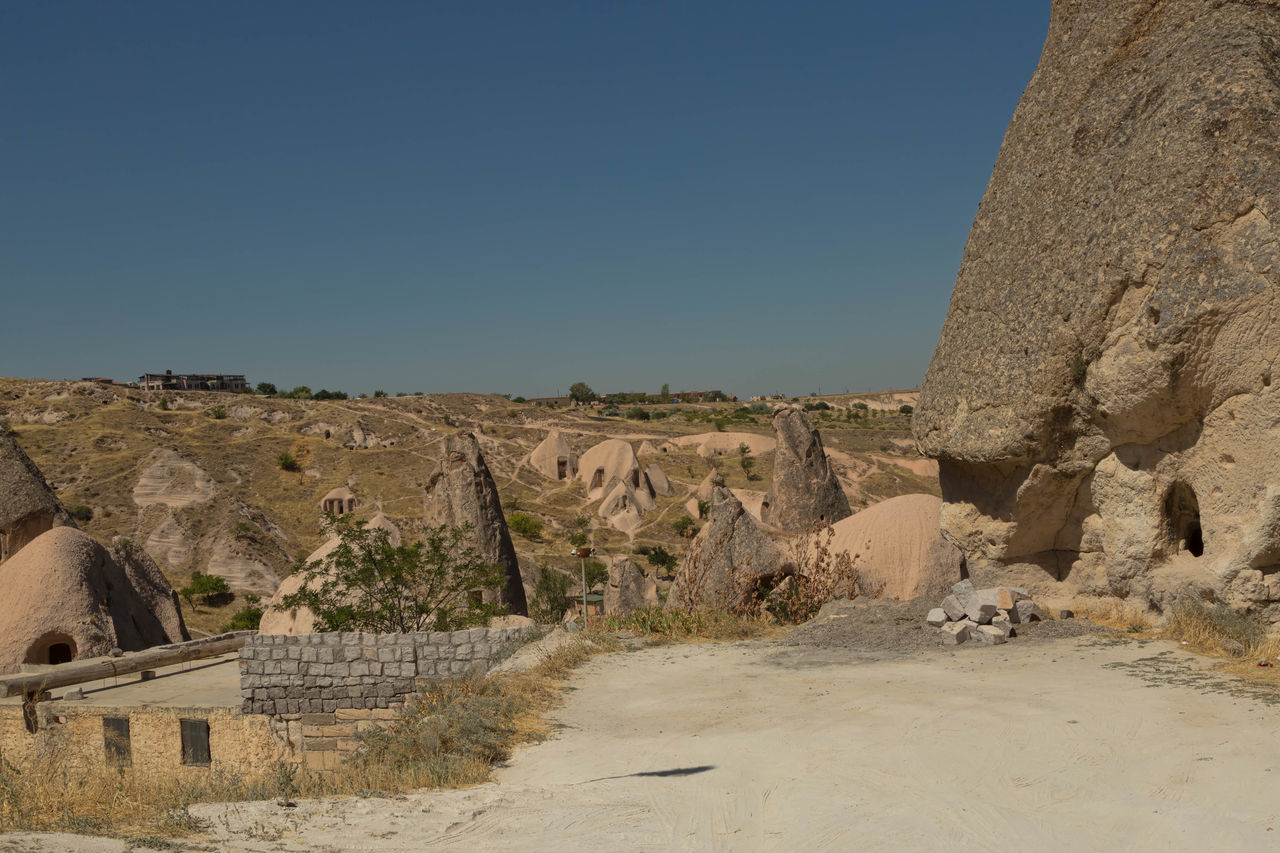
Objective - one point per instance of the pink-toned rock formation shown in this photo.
(28, 507)
(897, 548)
(67, 598)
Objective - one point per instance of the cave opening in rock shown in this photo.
(1182, 520)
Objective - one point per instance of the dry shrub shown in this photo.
(818, 575)
(1214, 628)
(449, 737)
(688, 625)
(1114, 613)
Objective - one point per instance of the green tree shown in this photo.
(249, 617)
(368, 584)
(745, 460)
(665, 393)
(906, 409)
(661, 558)
(597, 573)
(267, 389)
(379, 393)
(526, 525)
(209, 589)
(288, 462)
(549, 594)
(580, 392)
(301, 392)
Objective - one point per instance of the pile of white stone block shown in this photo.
(984, 615)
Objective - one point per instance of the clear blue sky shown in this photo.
(503, 197)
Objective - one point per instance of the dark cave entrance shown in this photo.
(1182, 520)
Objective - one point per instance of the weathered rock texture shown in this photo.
(628, 588)
(67, 598)
(608, 461)
(27, 504)
(897, 549)
(461, 491)
(553, 458)
(805, 489)
(1101, 401)
(727, 557)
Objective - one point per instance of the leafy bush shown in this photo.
(611, 411)
(685, 526)
(266, 389)
(324, 394)
(820, 406)
(526, 525)
(379, 393)
(906, 409)
(760, 408)
(217, 412)
(549, 594)
(580, 392)
(288, 462)
(635, 413)
(80, 512)
(368, 584)
(518, 400)
(164, 404)
(247, 618)
(661, 558)
(209, 589)
(704, 508)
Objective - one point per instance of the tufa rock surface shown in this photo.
(628, 588)
(805, 490)
(27, 504)
(67, 598)
(727, 558)
(461, 491)
(1101, 402)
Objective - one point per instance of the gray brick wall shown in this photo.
(320, 673)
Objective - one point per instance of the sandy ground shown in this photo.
(1059, 744)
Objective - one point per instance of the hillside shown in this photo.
(196, 477)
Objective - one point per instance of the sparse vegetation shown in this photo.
(248, 617)
(685, 526)
(288, 462)
(368, 584)
(526, 525)
(217, 412)
(207, 589)
(1214, 628)
(80, 512)
(636, 413)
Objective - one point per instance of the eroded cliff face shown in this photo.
(1101, 401)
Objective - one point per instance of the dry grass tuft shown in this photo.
(699, 625)
(450, 737)
(1116, 614)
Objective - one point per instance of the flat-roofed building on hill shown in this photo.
(170, 381)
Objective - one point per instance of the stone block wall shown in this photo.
(323, 673)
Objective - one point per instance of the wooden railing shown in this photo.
(29, 685)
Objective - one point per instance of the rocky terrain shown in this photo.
(196, 478)
(1101, 401)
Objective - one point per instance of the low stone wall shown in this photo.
(324, 673)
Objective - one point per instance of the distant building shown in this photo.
(170, 381)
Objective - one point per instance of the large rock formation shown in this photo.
(461, 491)
(805, 489)
(628, 588)
(27, 505)
(726, 559)
(553, 458)
(608, 461)
(897, 549)
(68, 598)
(1101, 401)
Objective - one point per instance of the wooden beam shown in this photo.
(30, 684)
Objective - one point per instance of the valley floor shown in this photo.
(1061, 744)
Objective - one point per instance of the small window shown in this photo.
(115, 738)
(195, 742)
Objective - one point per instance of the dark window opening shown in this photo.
(1182, 520)
(562, 468)
(115, 739)
(195, 742)
(60, 653)
(598, 480)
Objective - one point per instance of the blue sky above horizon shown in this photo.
(497, 197)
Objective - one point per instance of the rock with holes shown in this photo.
(628, 588)
(554, 458)
(67, 597)
(461, 492)
(1101, 402)
(805, 489)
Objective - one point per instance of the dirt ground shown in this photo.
(1060, 743)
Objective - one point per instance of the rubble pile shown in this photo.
(985, 615)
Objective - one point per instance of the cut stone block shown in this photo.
(954, 633)
(1008, 596)
(981, 613)
(1028, 611)
(937, 617)
(1003, 624)
(988, 635)
(953, 607)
